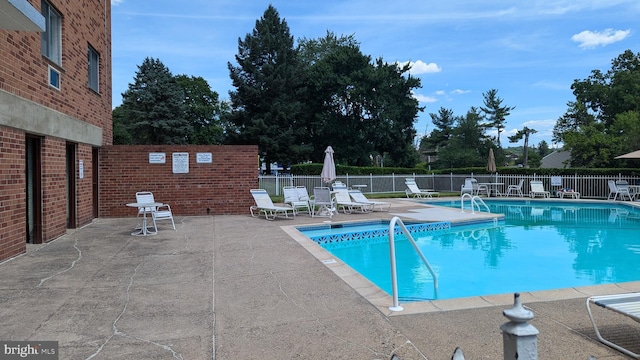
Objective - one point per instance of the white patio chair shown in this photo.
(516, 189)
(470, 186)
(615, 190)
(158, 213)
(322, 204)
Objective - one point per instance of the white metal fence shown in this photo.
(589, 186)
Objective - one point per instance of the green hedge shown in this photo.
(315, 169)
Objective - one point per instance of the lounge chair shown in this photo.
(339, 185)
(322, 204)
(359, 197)
(161, 212)
(343, 200)
(538, 189)
(515, 189)
(292, 198)
(265, 206)
(616, 189)
(414, 191)
(624, 304)
(568, 192)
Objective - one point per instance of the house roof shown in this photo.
(558, 159)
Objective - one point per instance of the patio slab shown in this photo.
(237, 287)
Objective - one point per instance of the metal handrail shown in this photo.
(392, 253)
(475, 199)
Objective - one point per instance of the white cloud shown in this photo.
(460, 91)
(420, 67)
(591, 39)
(440, 92)
(424, 99)
(116, 2)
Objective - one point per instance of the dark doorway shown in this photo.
(33, 189)
(71, 186)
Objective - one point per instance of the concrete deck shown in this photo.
(237, 287)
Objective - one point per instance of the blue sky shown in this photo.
(530, 51)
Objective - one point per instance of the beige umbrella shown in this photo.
(631, 155)
(491, 165)
(328, 173)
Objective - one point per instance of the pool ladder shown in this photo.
(392, 253)
(476, 201)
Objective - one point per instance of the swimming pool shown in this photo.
(540, 245)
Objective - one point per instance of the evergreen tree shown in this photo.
(495, 112)
(202, 110)
(268, 84)
(152, 109)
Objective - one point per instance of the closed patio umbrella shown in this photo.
(491, 165)
(631, 155)
(328, 173)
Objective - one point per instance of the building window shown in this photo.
(54, 77)
(94, 66)
(52, 36)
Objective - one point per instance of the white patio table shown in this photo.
(144, 230)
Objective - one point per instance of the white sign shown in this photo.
(204, 158)
(81, 168)
(157, 158)
(180, 163)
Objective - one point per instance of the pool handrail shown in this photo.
(392, 253)
(475, 199)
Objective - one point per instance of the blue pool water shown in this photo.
(538, 246)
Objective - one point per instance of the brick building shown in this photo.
(55, 114)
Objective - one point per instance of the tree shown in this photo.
(444, 121)
(360, 107)
(469, 146)
(495, 112)
(603, 120)
(152, 108)
(202, 110)
(525, 132)
(265, 106)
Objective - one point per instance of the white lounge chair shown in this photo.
(414, 191)
(292, 198)
(339, 185)
(265, 206)
(343, 200)
(624, 304)
(161, 212)
(537, 189)
(618, 189)
(322, 204)
(516, 189)
(359, 197)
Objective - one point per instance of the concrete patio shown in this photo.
(237, 287)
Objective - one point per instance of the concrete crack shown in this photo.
(73, 263)
(117, 332)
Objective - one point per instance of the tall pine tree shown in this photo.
(268, 81)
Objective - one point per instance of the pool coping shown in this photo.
(383, 301)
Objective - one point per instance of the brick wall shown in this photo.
(24, 71)
(12, 194)
(219, 188)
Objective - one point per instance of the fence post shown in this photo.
(520, 339)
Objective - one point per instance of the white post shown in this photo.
(520, 339)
